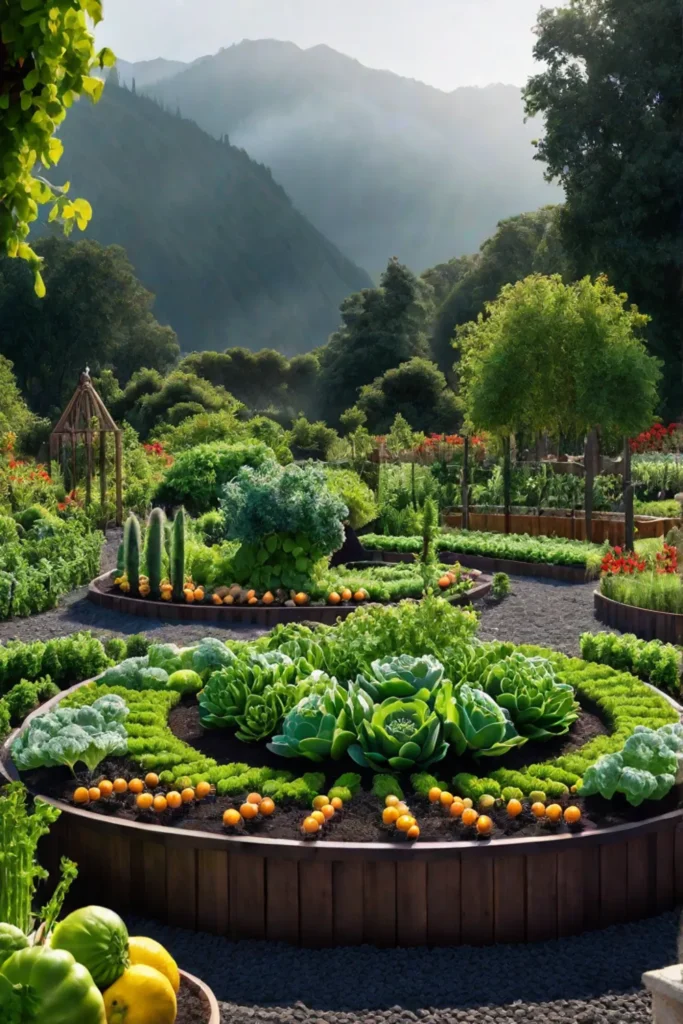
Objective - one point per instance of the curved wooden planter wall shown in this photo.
(228, 615)
(565, 573)
(213, 1013)
(328, 893)
(644, 622)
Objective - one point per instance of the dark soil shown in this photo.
(192, 1007)
(360, 821)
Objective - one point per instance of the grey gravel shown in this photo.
(540, 611)
(589, 979)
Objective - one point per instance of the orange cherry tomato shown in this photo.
(434, 795)
(469, 816)
(144, 801)
(337, 803)
(187, 795)
(538, 809)
(106, 787)
(249, 811)
(160, 804)
(231, 817)
(413, 832)
(456, 809)
(572, 815)
(514, 808)
(136, 785)
(553, 812)
(319, 817)
(319, 801)
(310, 824)
(120, 786)
(201, 790)
(151, 780)
(484, 825)
(390, 815)
(266, 807)
(328, 811)
(174, 799)
(81, 795)
(254, 798)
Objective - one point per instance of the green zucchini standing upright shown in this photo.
(178, 555)
(154, 551)
(131, 553)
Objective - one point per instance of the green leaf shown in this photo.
(31, 80)
(39, 285)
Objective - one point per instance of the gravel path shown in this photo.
(590, 979)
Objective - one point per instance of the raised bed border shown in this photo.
(646, 623)
(206, 995)
(256, 615)
(607, 526)
(563, 573)
(459, 893)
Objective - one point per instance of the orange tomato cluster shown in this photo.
(254, 805)
(397, 813)
(145, 800)
(323, 811)
(550, 812)
(462, 808)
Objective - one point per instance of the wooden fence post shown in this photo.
(589, 459)
(629, 522)
(466, 483)
(507, 480)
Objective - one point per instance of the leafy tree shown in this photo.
(96, 313)
(14, 414)
(46, 56)
(312, 440)
(180, 396)
(558, 358)
(381, 328)
(400, 437)
(418, 391)
(521, 246)
(612, 96)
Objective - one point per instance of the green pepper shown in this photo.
(47, 986)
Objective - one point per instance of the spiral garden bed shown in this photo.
(357, 877)
(103, 592)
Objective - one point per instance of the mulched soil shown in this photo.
(589, 979)
(359, 821)
(192, 1008)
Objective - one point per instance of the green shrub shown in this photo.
(198, 475)
(657, 662)
(356, 495)
(25, 697)
(137, 645)
(115, 648)
(501, 585)
(386, 785)
(66, 660)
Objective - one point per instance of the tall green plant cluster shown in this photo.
(197, 477)
(286, 519)
(21, 829)
(46, 60)
(657, 662)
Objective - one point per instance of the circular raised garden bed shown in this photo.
(330, 893)
(646, 623)
(103, 593)
(196, 1002)
(565, 573)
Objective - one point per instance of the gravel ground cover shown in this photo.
(588, 979)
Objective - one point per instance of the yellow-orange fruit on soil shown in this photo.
(446, 798)
(484, 825)
(405, 822)
(572, 815)
(187, 795)
(360, 595)
(390, 815)
(151, 780)
(201, 790)
(105, 787)
(319, 801)
(402, 808)
(231, 817)
(553, 812)
(456, 809)
(144, 801)
(174, 799)
(310, 824)
(391, 800)
(136, 785)
(413, 832)
(268, 598)
(333, 598)
(94, 793)
(319, 817)
(160, 804)
(467, 801)
(434, 795)
(444, 582)
(327, 811)
(81, 795)
(301, 598)
(120, 786)
(248, 811)
(252, 600)
(346, 594)
(228, 599)
(337, 803)
(514, 808)
(266, 807)
(254, 798)
(538, 810)
(469, 816)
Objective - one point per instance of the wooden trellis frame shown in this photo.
(77, 422)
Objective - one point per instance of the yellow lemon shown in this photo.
(148, 951)
(142, 995)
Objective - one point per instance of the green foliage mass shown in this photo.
(197, 477)
(416, 389)
(355, 493)
(95, 313)
(619, 66)
(657, 662)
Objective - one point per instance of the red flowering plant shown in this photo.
(617, 562)
(157, 451)
(657, 439)
(449, 444)
(667, 560)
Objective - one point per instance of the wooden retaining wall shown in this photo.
(565, 573)
(605, 527)
(644, 622)
(325, 893)
(257, 615)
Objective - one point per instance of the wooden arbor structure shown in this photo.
(76, 423)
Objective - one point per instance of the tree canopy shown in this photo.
(558, 358)
(418, 391)
(612, 95)
(381, 328)
(47, 53)
(96, 313)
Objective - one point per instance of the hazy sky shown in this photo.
(446, 43)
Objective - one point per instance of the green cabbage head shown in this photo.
(644, 769)
(401, 735)
(403, 676)
(319, 727)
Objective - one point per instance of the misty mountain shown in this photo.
(208, 230)
(382, 165)
(147, 72)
